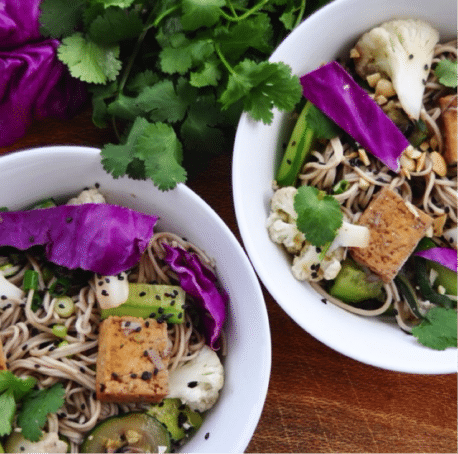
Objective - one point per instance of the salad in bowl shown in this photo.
(357, 187)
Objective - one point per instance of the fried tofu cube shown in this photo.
(132, 360)
(449, 125)
(395, 230)
(2, 358)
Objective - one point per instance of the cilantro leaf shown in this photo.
(198, 13)
(162, 154)
(115, 25)
(19, 386)
(160, 102)
(35, 408)
(438, 330)
(209, 74)
(116, 158)
(89, 61)
(7, 411)
(318, 215)
(253, 33)
(183, 54)
(262, 86)
(60, 17)
(446, 73)
(322, 125)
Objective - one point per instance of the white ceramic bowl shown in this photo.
(325, 35)
(35, 174)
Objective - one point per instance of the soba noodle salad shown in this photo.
(365, 197)
(112, 333)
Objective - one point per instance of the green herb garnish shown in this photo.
(445, 72)
(319, 215)
(173, 76)
(438, 329)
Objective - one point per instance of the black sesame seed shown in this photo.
(314, 275)
(172, 303)
(410, 56)
(158, 297)
(207, 435)
(175, 293)
(4, 297)
(138, 329)
(114, 376)
(24, 347)
(160, 310)
(83, 406)
(324, 300)
(52, 348)
(182, 407)
(104, 293)
(423, 81)
(120, 277)
(180, 315)
(97, 185)
(61, 305)
(100, 282)
(133, 375)
(288, 161)
(7, 306)
(31, 239)
(155, 371)
(318, 249)
(127, 324)
(161, 404)
(102, 388)
(37, 366)
(293, 143)
(107, 280)
(147, 324)
(145, 353)
(152, 315)
(142, 294)
(182, 419)
(82, 370)
(146, 375)
(68, 219)
(192, 384)
(426, 67)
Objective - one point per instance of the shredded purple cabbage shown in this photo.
(105, 239)
(200, 282)
(331, 89)
(442, 255)
(34, 84)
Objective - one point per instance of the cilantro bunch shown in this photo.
(173, 76)
(35, 404)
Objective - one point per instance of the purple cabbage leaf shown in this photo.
(34, 84)
(200, 282)
(105, 239)
(332, 89)
(444, 256)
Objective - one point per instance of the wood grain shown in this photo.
(318, 400)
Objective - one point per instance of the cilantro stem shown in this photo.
(223, 59)
(244, 15)
(301, 13)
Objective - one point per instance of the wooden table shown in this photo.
(318, 399)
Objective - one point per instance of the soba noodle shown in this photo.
(31, 350)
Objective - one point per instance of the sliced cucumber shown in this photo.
(138, 431)
(49, 442)
(179, 419)
(159, 301)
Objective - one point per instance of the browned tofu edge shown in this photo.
(449, 124)
(389, 250)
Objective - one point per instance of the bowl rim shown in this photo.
(14, 160)
(446, 360)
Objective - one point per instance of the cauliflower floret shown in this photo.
(198, 382)
(91, 195)
(111, 291)
(307, 266)
(282, 203)
(9, 290)
(403, 50)
(281, 223)
(285, 233)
